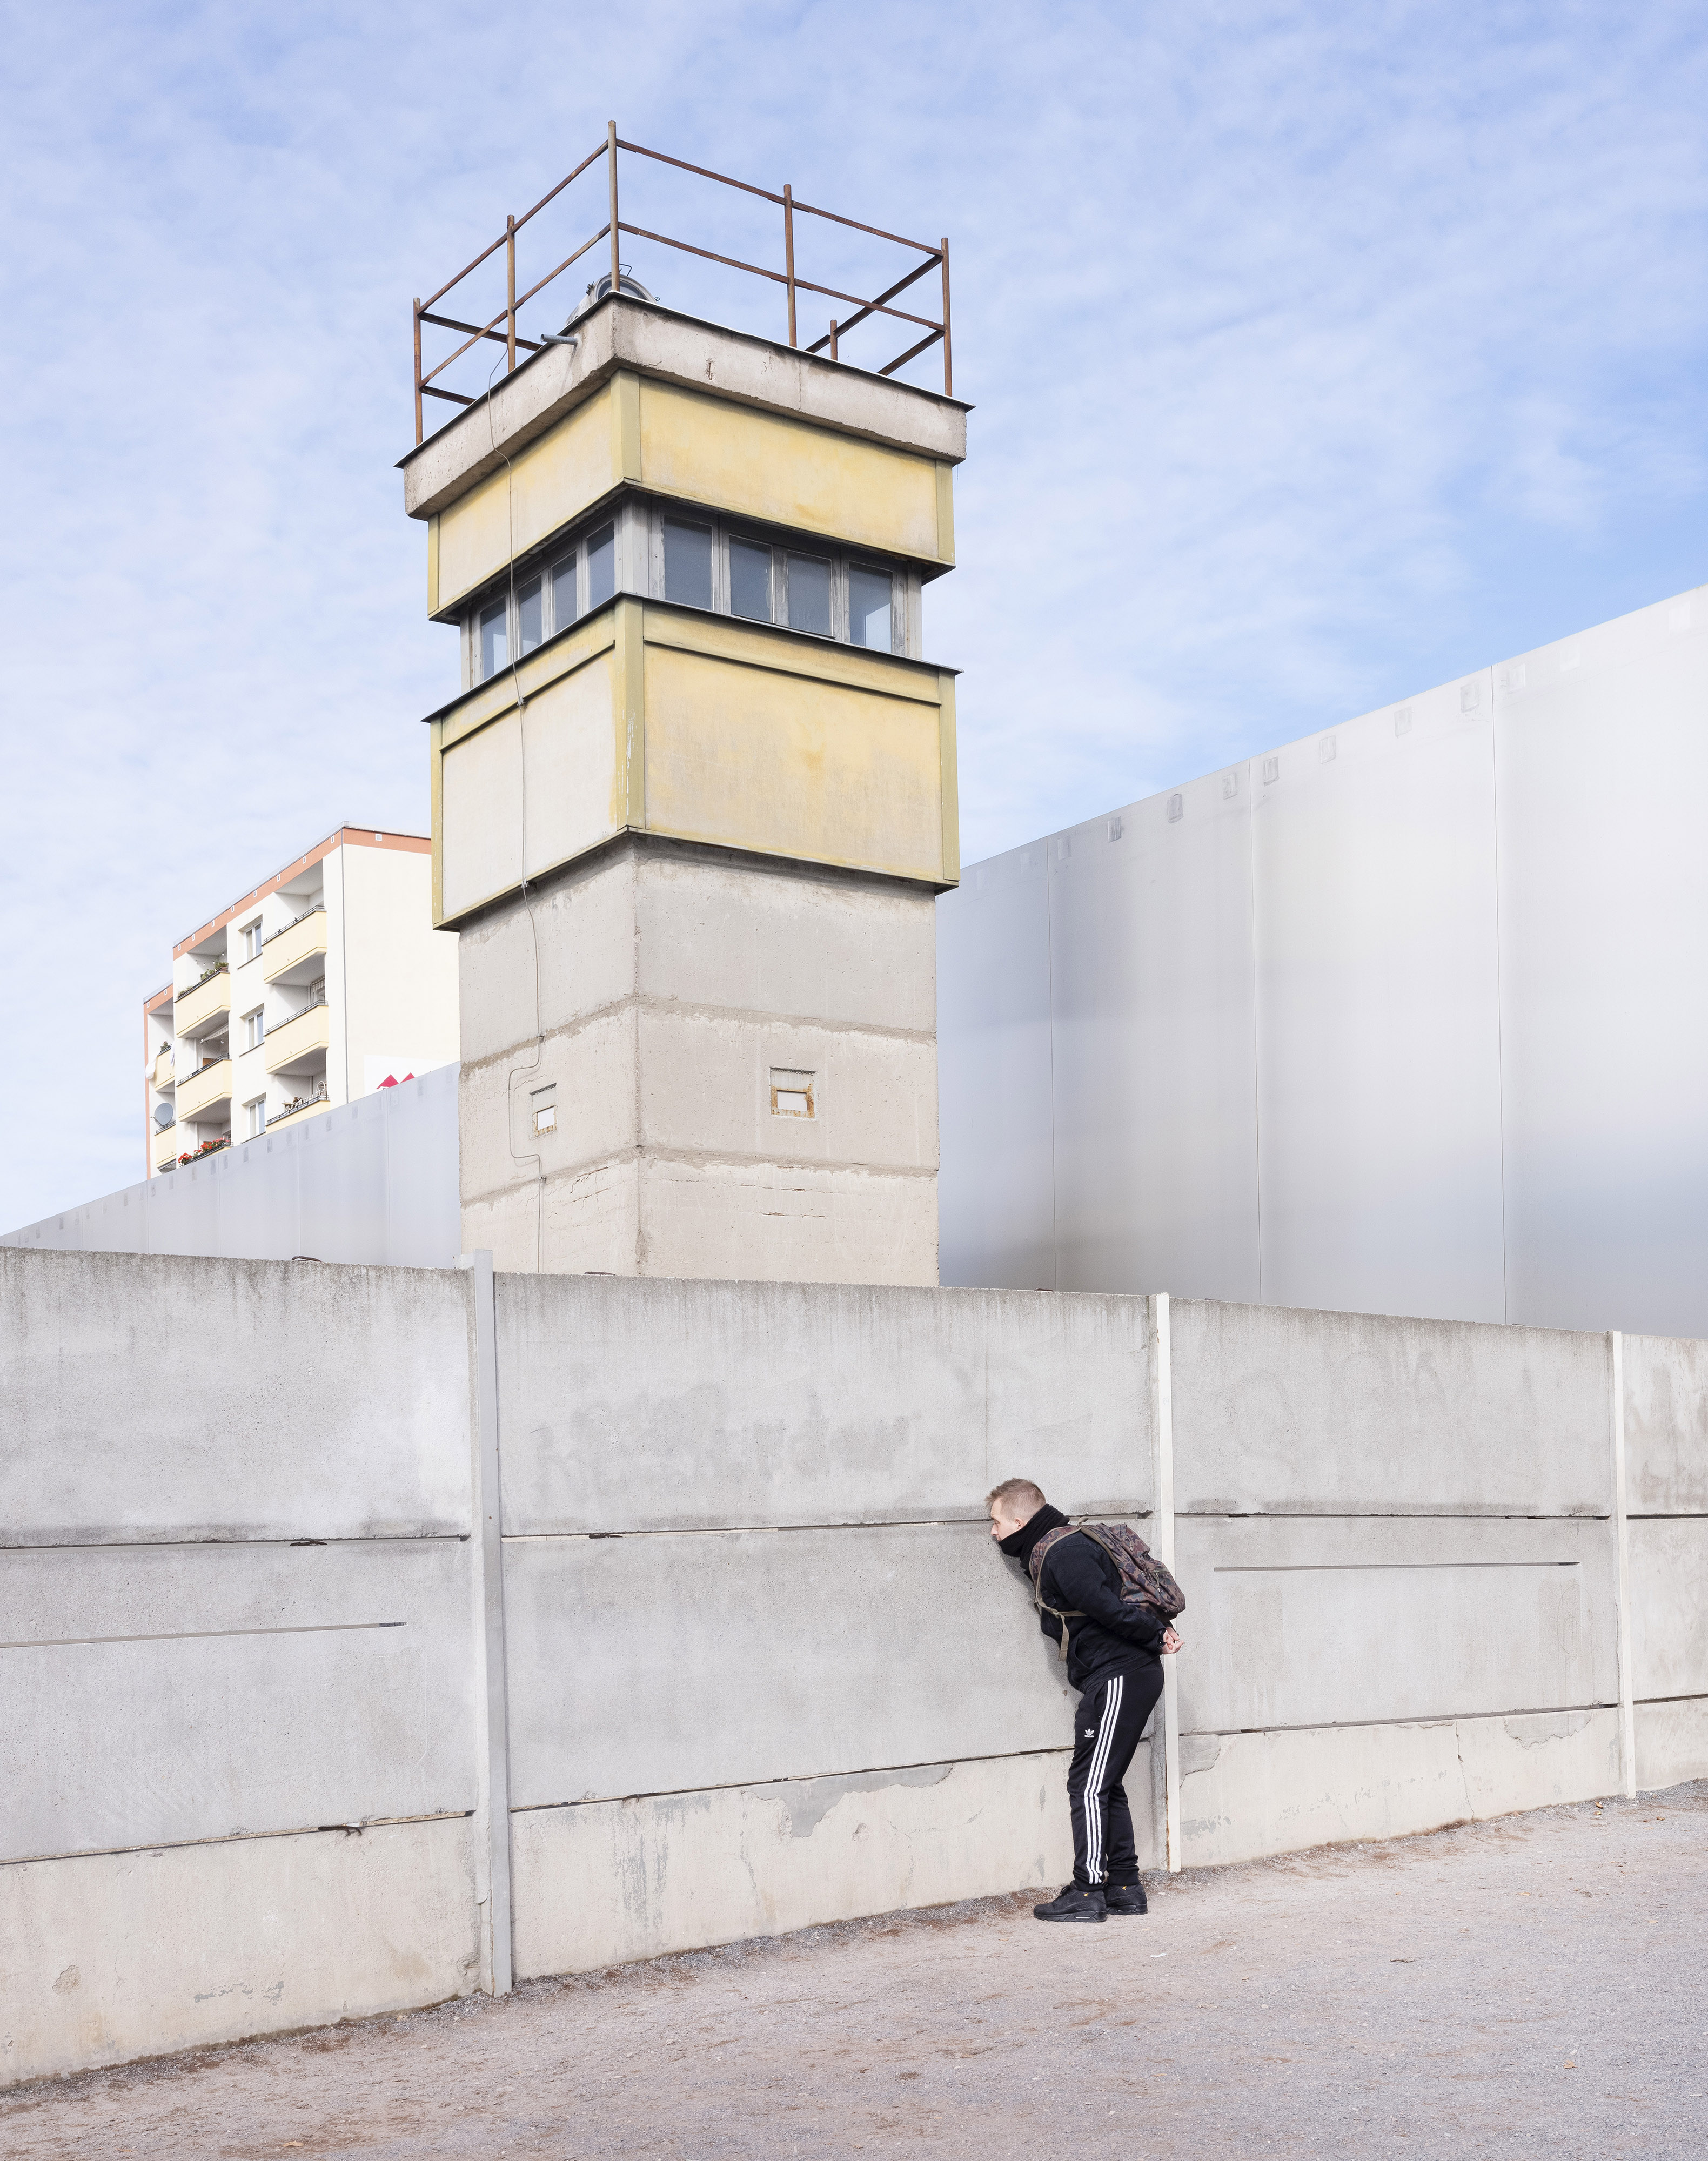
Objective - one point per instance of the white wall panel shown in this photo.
(1602, 744)
(995, 1183)
(1154, 1070)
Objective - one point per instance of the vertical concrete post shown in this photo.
(1621, 1535)
(1162, 1394)
(493, 1731)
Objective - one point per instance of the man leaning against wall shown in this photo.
(1113, 1645)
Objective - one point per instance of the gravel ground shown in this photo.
(1526, 1987)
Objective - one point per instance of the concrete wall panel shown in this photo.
(161, 1694)
(1672, 1742)
(635, 1879)
(784, 1223)
(121, 1955)
(1666, 1425)
(663, 1664)
(1341, 1413)
(152, 1398)
(823, 1404)
(1243, 1795)
(1296, 1623)
(1670, 1607)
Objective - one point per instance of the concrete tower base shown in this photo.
(707, 1064)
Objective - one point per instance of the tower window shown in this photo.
(602, 566)
(809, 594)
(563, 593)
(495, 639)
(530, 615)
(750, 580)
(687, 563)
(870, 595)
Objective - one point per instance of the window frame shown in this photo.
(542, 563)
(254, 1028)
(783, 544)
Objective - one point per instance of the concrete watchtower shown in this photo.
(695, 798)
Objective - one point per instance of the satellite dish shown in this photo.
(164, 1115)
(631, 289)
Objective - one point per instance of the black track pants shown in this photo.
(1112, 1715)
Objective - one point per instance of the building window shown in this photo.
(809, 594)
(563, 593)
(250, 935)
(530, 615)
(255, 1113)
(750, 580)
(495, 639)
(601, 565)
(542, 1102)
(792, 1094)
(871, 594)
(687, 563)
(253, 1030)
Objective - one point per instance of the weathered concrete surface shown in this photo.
(671, 983)
(1670, 1605)
(1532, 1988)
(1243, 1795)
(1672, 1742)
(1300, 1621)
(154, 1398)
(612, 1881)
(1666, 1424)
(648, 1664)
(1345, 1414)
(823, 1403)
(116, 1955)
(157, 1695)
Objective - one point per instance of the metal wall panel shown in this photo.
(1153, 1047)
(1379, 1022)
(1602, 752)
(995, 1186)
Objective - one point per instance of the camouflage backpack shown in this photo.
(1144, 1582)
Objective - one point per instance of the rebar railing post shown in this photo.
(833, 337)
(616, 266)
(948, 361)
(510, 274)
(418, 371)
(789, 253)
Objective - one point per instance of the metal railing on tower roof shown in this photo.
(501, 329)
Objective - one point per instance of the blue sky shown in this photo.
(1318, 354)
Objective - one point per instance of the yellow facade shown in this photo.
(204, 1091)
(700, 448)
(297, 1042)
(203, 1004)
(289, 949)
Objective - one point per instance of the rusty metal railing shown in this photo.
(501, 329)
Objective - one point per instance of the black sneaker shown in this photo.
(1125, 1898)
(1075, 1903)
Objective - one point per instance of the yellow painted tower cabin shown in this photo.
(696, 796)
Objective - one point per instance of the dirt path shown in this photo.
(1531, 1986)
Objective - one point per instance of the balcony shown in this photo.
(207, 1092)
(295, 1044)
(304, 1106)
(292, 950)
(161, 1072)
(204, 1004)
(163, 1148)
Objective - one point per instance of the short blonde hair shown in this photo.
(1023, 1496)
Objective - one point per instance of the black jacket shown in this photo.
(1079, 1577)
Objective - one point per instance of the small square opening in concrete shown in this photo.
(791, 1093)
(544, 1104)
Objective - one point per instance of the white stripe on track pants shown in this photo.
(1111, 1718)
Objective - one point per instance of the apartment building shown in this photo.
(325, 982)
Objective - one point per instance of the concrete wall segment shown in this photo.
(1311, 1621)
(121, 1955)
(827, 1404)
(149, 1398)
(161, 1695)
(1670, 1607)
(1296, 1412)
(1666, 1425)
(656, 1663)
